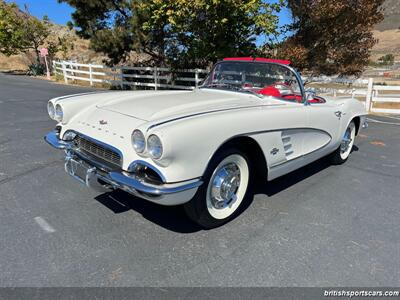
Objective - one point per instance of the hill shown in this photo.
(391, 11)
(388, 32)
(388, 43)
(78, 50)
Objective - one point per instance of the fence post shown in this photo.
(196, 78)
(90, 75)
(155, 78)
(368, 99)
(121, 74)
(64, 72)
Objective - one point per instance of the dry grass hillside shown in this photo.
(388, 31)
(391, 10)
(79, 51)
(389, 43)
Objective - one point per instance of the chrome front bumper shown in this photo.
(93, 175)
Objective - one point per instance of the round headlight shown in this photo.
(51, 110)
(138, 141)
(154, 146)
(59, 114)
(69, 136)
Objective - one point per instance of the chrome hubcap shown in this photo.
(225, 183)
(346, 141)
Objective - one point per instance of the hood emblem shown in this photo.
(103, 122)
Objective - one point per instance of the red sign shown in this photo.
(44, 52)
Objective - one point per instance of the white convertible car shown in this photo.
(251, 118)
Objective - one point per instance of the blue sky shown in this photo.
(58, 13)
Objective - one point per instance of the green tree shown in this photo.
(70, 25)
(181, 32)
(332, 37)
(387, 59)
(19, 31)
(11, 35)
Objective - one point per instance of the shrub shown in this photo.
(36, 69)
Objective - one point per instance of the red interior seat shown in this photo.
(270, 91)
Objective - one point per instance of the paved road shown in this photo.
(319, 226)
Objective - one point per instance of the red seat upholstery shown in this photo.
(270, 91)
(316, 100)
(293, 97)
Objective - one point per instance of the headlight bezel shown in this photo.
(136, 137)
(51, 110)
(154, 146)
(69, 135)
(59, 113)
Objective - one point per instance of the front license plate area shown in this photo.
(77, 169)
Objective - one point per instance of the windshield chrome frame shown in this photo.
(291, 69)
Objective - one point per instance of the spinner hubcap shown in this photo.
(346, 141)
(225, 184)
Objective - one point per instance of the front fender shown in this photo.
(192, 142)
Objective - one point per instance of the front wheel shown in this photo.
(342, 153)
(225, 189)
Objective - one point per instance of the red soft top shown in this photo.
(270, 60)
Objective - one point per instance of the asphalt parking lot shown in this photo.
(319, 226)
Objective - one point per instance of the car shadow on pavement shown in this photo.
(169, 217)
(281, 183)
(174, 218)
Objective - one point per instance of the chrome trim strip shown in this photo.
(208, 112)
(301, 156)
(78, 95)
(250, 134)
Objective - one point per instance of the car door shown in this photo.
(324, 119)
(283, 146)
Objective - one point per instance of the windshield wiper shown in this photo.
(233, 87)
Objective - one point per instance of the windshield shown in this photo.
(262, 79)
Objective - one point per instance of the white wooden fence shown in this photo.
(156, 77)
(382, 94)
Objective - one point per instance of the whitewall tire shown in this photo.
(346, 145)
(226, 187)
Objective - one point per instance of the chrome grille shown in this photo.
(95, 149)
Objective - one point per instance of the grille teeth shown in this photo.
(97, 150)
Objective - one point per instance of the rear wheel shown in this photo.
(342, 153)
(226, 187)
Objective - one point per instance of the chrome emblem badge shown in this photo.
(274, 151)
(103, 122)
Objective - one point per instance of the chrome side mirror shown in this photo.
(310, 94)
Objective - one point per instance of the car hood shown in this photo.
(165, 104)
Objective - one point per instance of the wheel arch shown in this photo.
(252, 148)
(357, 122)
